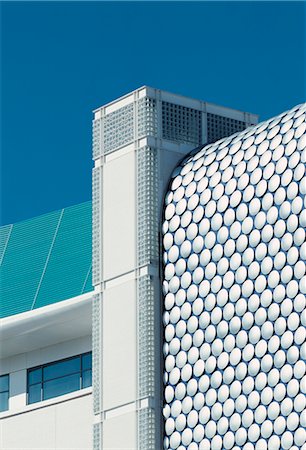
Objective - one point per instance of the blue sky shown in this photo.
(61, 60)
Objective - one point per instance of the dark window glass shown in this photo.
(4, 383)
(86, 361)
(34, 393)
(4, 393)
(34, 376)
(4, 398)
(59, 378)
(86, 379)
(61, 386)
(61, 368)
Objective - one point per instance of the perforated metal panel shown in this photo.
(147, 117)
(96, 224)
(146, 429)
(181, 124)
(96, 138)
(118, 128)
(220, 126)
(146, 329)
(97, 434)
(96, 352)
(147, 219)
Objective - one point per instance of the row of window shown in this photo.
(52, 380)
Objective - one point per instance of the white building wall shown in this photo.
(63, 422)
(133, 163)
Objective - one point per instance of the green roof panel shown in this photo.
(45, 260)
(70, 261)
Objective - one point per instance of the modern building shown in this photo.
(235, 285)
(63, 298)
(47, 294)
(137, 142)
(45, 332)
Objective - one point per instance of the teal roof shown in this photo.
(45, 259)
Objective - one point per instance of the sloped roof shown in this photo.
(45, 259)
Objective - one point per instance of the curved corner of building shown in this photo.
(234, 290)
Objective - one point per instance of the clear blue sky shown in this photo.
(61, 60)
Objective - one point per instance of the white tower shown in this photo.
(137, 141)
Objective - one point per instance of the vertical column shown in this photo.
(148, 297)
(97, 230)
(129, 182)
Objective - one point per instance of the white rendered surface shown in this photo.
(120, 356)
(63, 422)
(45, 326)
(61, 425)
(119, 216)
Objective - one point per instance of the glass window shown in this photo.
(86, 361)
(59, 378)
(86, 370)
(35, 376)
(86, 379)
(4, 392)
(61, 386)
(34, 393)
(62, 368)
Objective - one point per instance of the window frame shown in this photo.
(81, 372)
(6, 391)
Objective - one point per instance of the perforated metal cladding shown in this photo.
(181, 124)
(96, 138)
(234, 292)
(220, 126)
(118, 128)
(146, 429)
(147, 117)
(97, 435)
(146, 330)
(96, 352)
(147, 219)
(96, 224)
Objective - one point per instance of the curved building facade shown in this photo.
(234, 292)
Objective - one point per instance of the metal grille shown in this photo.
(96, 352)
(219, 127)
(146, 336)
(146, 429)
(96, 138)
(96, 224)
(97, 445)
(147, 117)
(118, 128)
(181, 124)
(147, 190)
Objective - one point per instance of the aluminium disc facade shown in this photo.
(234, 292)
